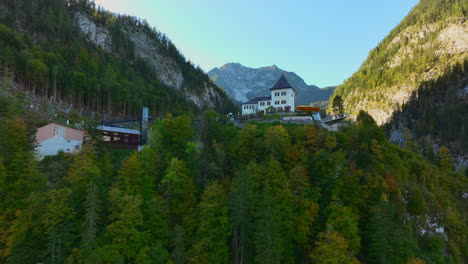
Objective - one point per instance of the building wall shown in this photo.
(119, 140)
(265, 105)
(53, 138)
(46, 132)
(285, 97)
(280, 100)
(54, 145)
(248, 109)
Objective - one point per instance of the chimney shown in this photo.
(144, 126)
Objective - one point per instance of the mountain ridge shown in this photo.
(431, 38)
(88, 58)
(243, 83)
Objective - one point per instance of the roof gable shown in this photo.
(282, 83)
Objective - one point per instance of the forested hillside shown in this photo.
(265, 193)
(75, 54)
(214, 192)
(437, 115)
(430, 41)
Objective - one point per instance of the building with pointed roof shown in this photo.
(282, 99)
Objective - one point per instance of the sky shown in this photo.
(324, 42)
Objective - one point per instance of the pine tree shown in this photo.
(241, 211)
(331, 248)
(179, 254)
(214, 229)
(338, 105)
(178, 190)
(277, 142)
(304, 209)
(268, 232)
(20, 176)
(124, 234)
(343, 221)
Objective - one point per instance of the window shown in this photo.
(283, 93)
(268, 103)
(262, 103)
(106, 138)
(276, 94)
(59, 131)
(276, 102)
(283, 101)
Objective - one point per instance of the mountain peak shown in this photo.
(244, 83)
(231, 65)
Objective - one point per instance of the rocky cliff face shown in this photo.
(415, 52)
(166, 68)
(148, 49)
(243, 83)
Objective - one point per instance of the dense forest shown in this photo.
(41, 48)
(214, 192)
(438, 112)
(217, 193)
(416, 51)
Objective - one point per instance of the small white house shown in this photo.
(53, 138)
(282, 98)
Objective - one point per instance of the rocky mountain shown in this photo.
(76, 54)
(430, 40)
(242, 83)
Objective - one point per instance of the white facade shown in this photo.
(53, 146)
(263, 105)
(282, 98)
(53, 138)
(248, 109)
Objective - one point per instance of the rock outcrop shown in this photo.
(148, 49)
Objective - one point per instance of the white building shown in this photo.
(282, 99)
(53, 138)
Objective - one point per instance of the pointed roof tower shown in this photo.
(282, 83)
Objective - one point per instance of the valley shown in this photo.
(233, 165)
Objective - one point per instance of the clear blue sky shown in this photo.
(324, 42)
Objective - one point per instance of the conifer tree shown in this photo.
(178, 190)
(269, 243)
(124, 235)
(277, 142)
(241, 211)
(331, 248)
(214, 229)
(179, 254)
(343, 221)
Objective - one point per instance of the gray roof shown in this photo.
(257, 99)
(282, 83)
(119, 129)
